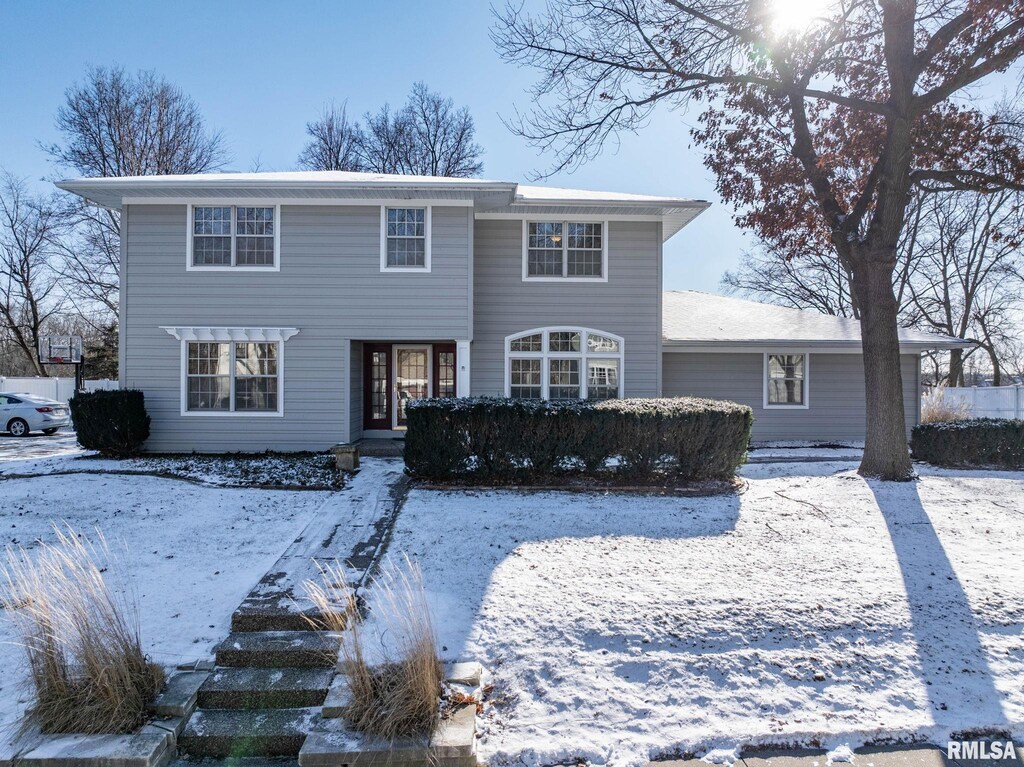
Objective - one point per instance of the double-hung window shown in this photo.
(233, 237)
(405, 239)
(232, 370)
(785, 380)
(563, 364)
(565, 250)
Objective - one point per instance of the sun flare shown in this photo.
(789, 16)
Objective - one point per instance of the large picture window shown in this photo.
(232, 237)
(232, 371)
(565, 250)
(562, 363)
(785, 382)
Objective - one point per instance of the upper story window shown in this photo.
(405, 239)
(232, 237)
(565, 250)
(563, 363)
(785, 383)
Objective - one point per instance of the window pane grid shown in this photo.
(563, 379)
(786, 379)
(406, 237)
(564, 249)
(250, 241)
(525, 380)
(217, 370)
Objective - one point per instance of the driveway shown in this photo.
(38, 446)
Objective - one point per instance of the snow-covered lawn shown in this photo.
(815, 607)
(193, 553)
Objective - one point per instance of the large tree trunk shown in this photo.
(885, 446)
(956, 368)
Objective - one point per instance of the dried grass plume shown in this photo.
(85, 660)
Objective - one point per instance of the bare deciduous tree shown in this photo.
(428, 136)
(29, 284)
(968, 256)
(117, 124)
(819, 133)
(334, 142)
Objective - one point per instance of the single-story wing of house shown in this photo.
(800, 370)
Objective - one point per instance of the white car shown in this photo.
(21, 414)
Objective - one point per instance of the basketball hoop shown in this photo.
(60, 350)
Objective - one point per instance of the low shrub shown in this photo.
(113, 422)
(503, 440)
(84, 655)
(977, 442)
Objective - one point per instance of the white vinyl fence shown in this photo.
(989, 401)
(59, 389)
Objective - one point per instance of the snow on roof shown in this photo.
(525, 193)
(326, 177)
(693, 318)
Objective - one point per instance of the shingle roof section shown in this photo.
(690, 317)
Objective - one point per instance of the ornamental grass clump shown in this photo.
(937, 407)
(81, 638)
(390, 662)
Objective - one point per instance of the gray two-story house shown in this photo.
(296, 311)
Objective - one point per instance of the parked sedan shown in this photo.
(21, 414)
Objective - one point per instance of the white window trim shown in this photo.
(583, 355)
(234, 205)
(427, 216)
(527, 277)
(807, 381)
(231, 336)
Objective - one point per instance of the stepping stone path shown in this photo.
(273, 672)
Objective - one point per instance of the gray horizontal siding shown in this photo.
(329, 286)
(835, 392)
(626, 305)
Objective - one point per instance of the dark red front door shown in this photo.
(380, 377)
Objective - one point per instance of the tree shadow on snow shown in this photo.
(953, 662)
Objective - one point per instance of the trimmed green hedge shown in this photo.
(975, 442)
(488, 439)
(112, 422)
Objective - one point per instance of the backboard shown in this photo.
(57, 350)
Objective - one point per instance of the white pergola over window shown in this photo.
(563, 363)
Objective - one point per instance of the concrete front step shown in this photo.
(256, 614)
(255, 688)
(278, 649)
(238, 733)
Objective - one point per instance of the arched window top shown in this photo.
(560, 362)
(558, 339)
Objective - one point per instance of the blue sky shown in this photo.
(261, 70)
